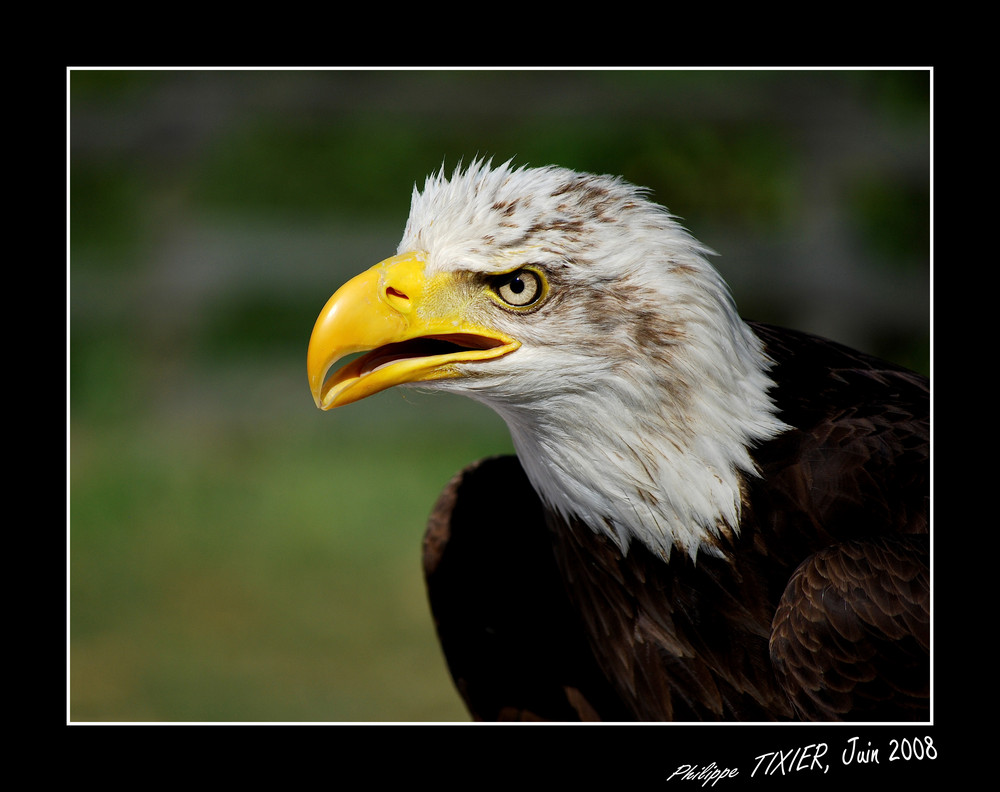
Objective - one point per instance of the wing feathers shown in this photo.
(852, 632)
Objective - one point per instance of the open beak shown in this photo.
(412, 328)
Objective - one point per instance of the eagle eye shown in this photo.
(520, 288)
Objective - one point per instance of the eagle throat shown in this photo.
(669, 477)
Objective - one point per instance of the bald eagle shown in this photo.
(706, 519)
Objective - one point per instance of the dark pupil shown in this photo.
(517, 285)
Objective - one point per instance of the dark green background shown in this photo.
(236, 555)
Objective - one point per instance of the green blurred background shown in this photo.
(237, 555)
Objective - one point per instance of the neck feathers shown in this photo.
(656, 446)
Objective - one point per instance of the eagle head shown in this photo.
(591, 321)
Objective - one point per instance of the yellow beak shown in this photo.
(414, 328)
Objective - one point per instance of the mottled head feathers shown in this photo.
(638, 391)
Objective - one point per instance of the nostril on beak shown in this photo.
(397, 299)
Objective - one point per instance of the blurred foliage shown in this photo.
(368, 165)
(234, 553)
(106, 200)
(893, 219)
